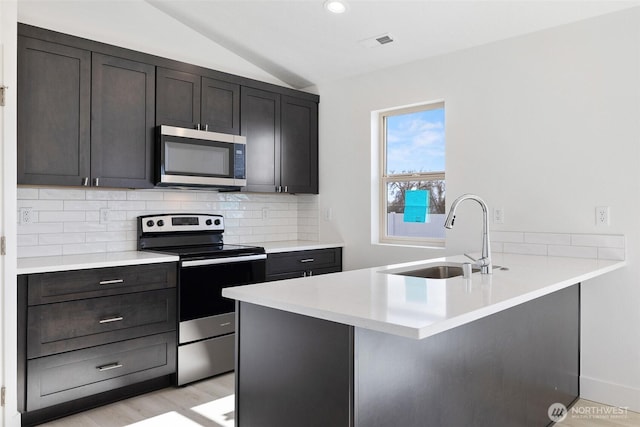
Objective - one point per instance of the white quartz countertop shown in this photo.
(48, 264)
(416, 307)
(296, 245)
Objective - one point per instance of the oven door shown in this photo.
(203, 311)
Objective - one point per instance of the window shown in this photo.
(412, 189)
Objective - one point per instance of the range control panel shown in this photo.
(181, 222)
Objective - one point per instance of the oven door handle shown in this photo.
(229, 260)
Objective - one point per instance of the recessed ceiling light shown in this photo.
(335, 6)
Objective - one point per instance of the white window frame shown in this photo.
(418, 176)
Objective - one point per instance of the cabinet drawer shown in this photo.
(68, 376)
(65, 326)
(61, 286)
(288, 262)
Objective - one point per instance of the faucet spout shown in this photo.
(485, 260)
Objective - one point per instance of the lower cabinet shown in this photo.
(289, 265)
(89, 337)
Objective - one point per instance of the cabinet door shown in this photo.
(122, 127)
(54, 100)
(220, 106)
(177, 98)
(299, 146)
(260, 123)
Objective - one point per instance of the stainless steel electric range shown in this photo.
(206, 332)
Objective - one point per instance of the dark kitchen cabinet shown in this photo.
(289, 265)
(299, 145)
(122, 127)
(54, 100)
(260, 123)
(186, 100)
(89, 337)
(282, 142)
(83, 118)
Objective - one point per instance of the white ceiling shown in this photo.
(302, 44)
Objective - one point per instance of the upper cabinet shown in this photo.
(122, 108)
(54, 87)
(188, 100)
(282, 142)
(84, 119)
(87, 114)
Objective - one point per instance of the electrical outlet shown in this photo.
(498, 215)
(602, 216)
(25, 215)
(265, 213)
(328, 214)
(104, 215)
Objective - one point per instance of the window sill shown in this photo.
(421, 245)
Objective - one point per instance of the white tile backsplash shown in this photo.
(602, 246)
(68, 221)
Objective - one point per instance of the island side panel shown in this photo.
(292, 370)
(502, 370)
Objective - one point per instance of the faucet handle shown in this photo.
(471, 258)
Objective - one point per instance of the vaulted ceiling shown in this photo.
(302, 44)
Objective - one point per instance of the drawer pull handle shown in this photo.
(112, 319)
(109, 367)
(225, 324)
(111, 282)
(307, 260)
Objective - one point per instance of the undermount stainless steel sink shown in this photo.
(445, 270)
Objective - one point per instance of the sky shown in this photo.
(415, 142)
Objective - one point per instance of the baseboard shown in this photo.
(610, 393)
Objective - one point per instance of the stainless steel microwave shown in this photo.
(191, 157)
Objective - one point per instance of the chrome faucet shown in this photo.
(485, 259)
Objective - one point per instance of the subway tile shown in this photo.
(199, 207)
(497, 247)
(27, 239)
(211, 196)
(61, 216)
(599, 240)
(508, 236)
(122, 226)
(86, 227)
(61, 238)
(114, 215)
(42, 205)
(84, 248)
(36, 251)
(145, 195)
(92, 216)
(106, 194)
(62, 194)
(106, 236)
(84, 205)
(616, 254)
(122, 246)
(548, 238)
(161, 206)
(133, 205)
(27, 193)
(525, 248)
(40, 228)
(182, 196)
(573, 251)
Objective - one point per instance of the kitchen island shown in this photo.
(374, 348)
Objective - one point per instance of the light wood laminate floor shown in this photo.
(209, 403)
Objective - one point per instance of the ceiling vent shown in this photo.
(377, 40)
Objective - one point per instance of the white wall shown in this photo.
(546, 126)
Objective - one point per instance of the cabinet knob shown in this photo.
(96, 182)
(206, 126)
(286, 188)
(85, 181)
(197, 126)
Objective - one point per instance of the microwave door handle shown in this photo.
(201, 262)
